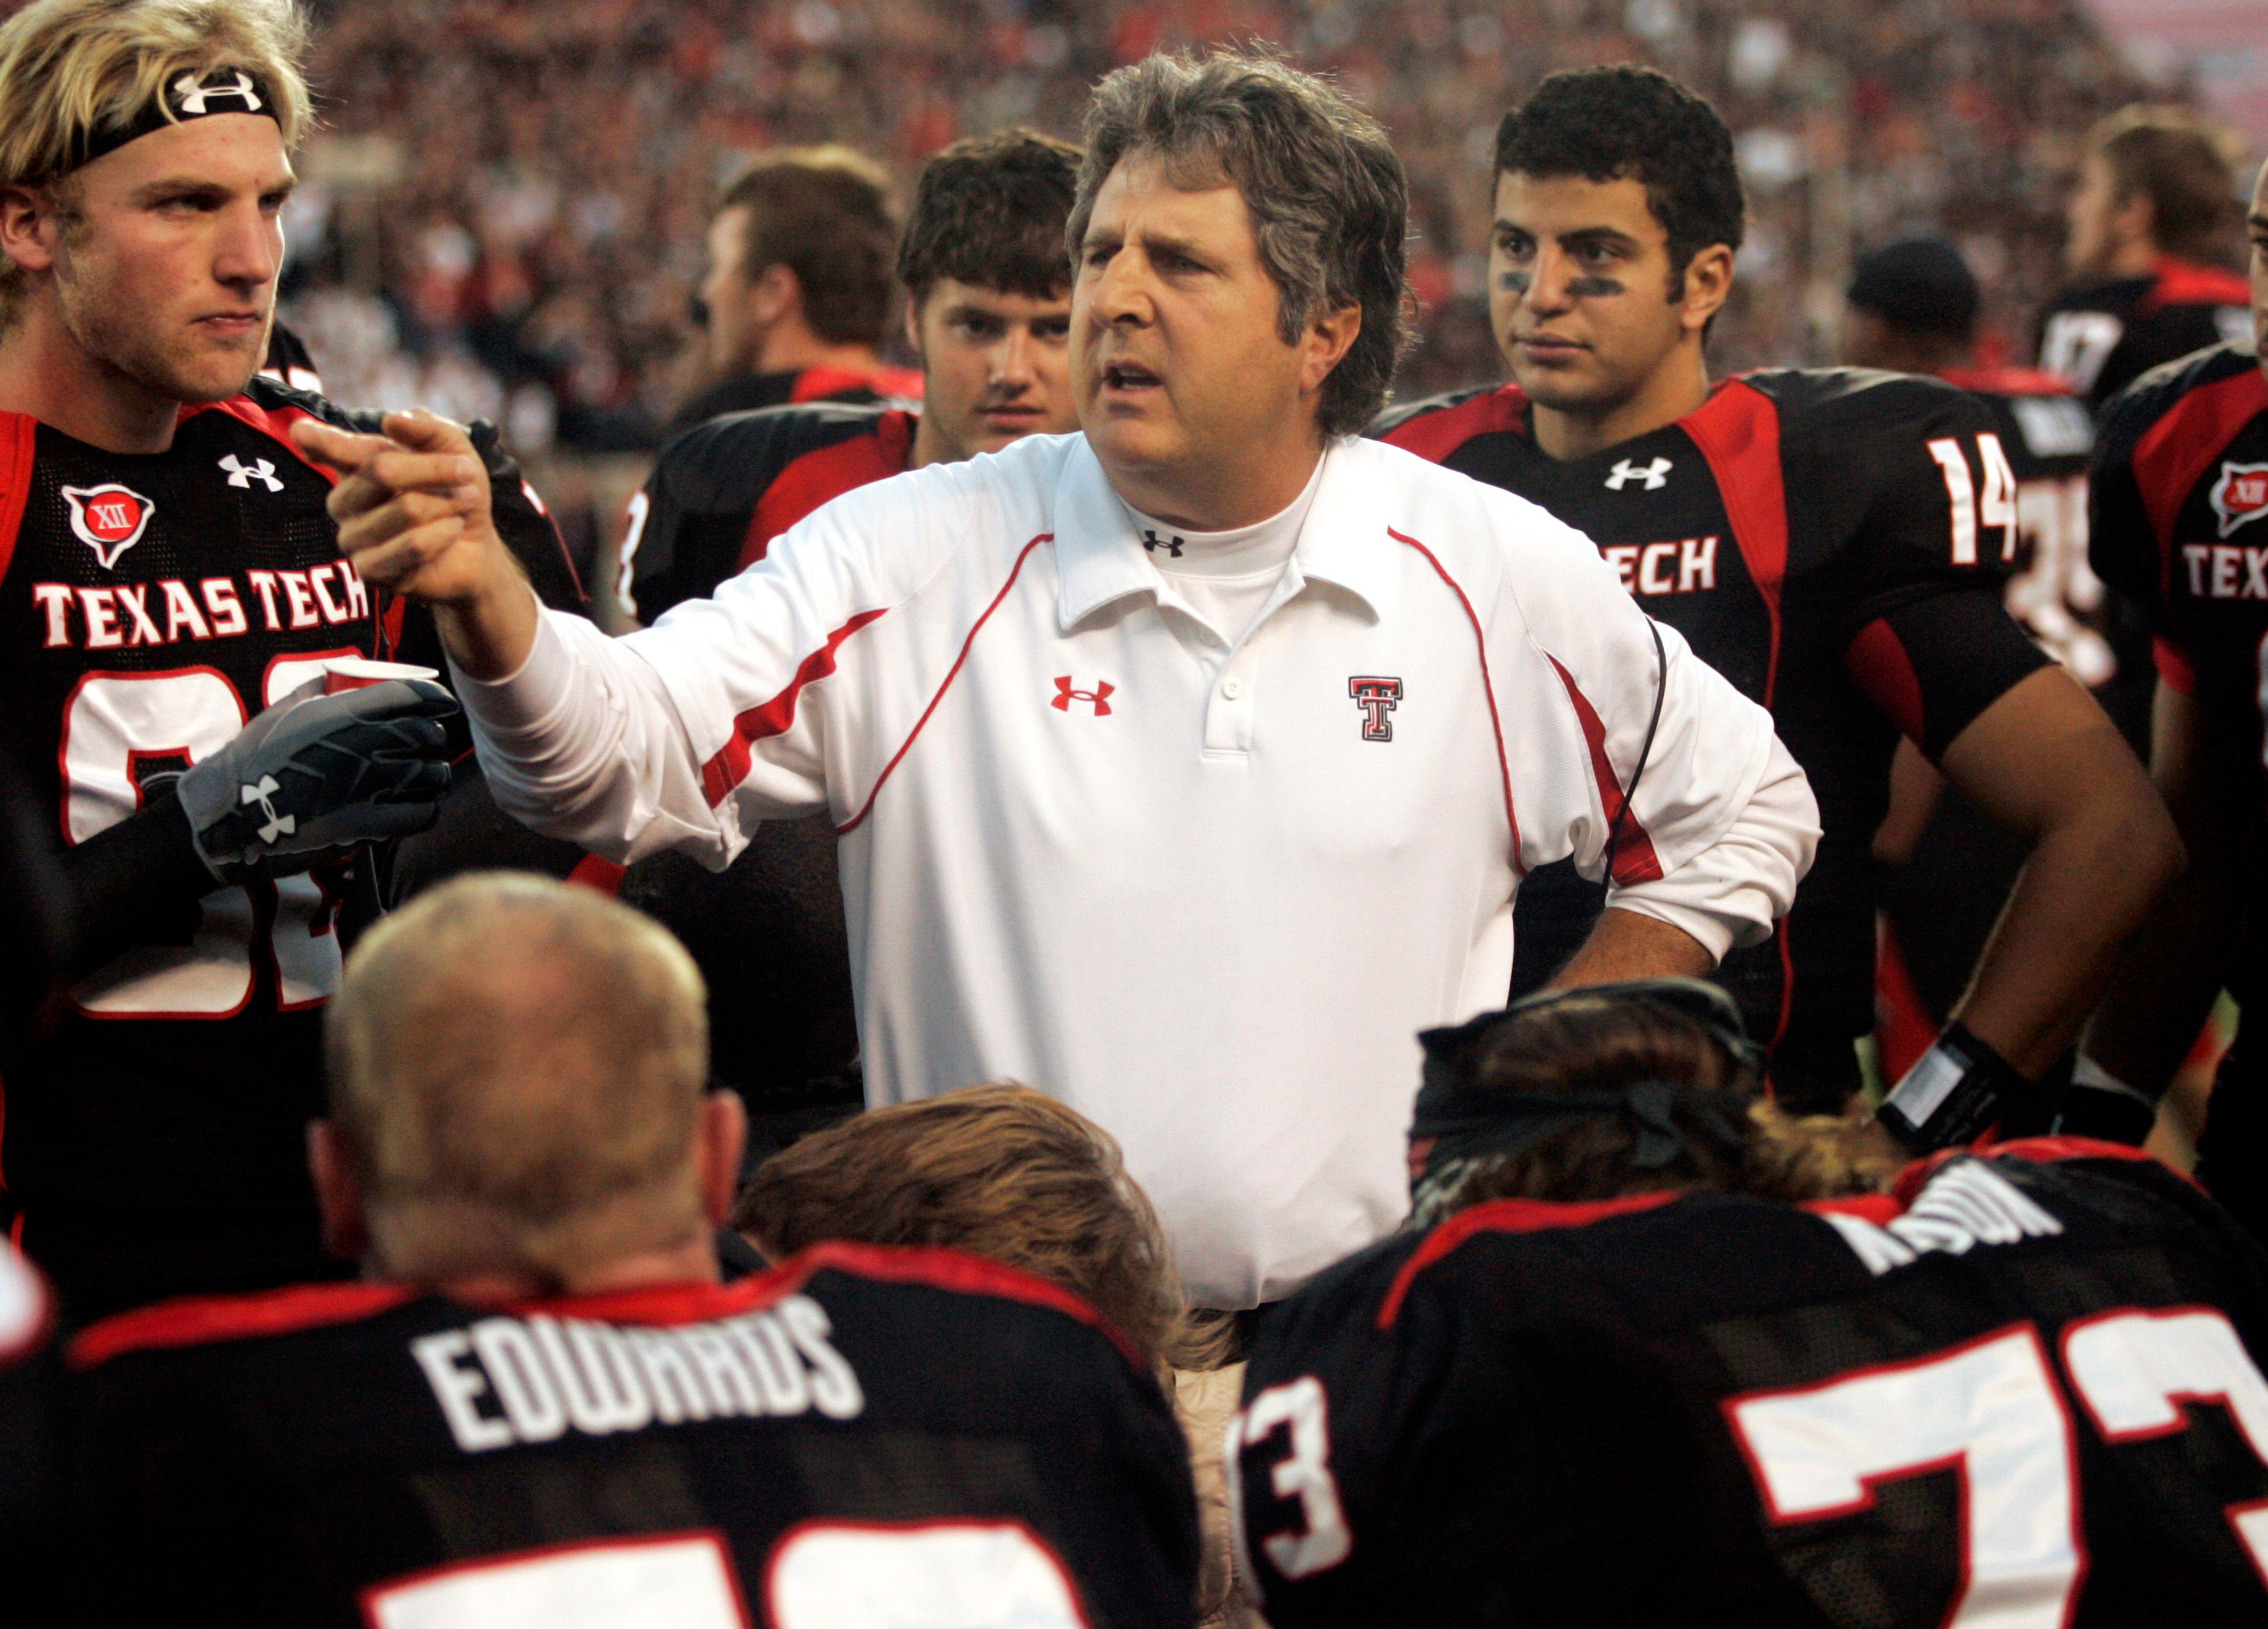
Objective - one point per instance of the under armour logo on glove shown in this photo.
(1098, 698)
(263, 793)
(1152, 542)
(1655, 475)
(260, 470)
(193, 98)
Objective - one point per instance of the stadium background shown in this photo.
(503, 212)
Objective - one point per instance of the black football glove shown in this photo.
(315, 775)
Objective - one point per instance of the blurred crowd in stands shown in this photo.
(505, 209)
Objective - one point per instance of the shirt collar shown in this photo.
(1099, 559)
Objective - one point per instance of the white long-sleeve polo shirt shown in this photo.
(1207, 894)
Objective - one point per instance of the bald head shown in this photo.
(517, 1077)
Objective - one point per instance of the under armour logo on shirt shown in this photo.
(1152, 542)
(1098, 698)
(192, 98)
(1655, 475)
(277, 825)
(260, 470)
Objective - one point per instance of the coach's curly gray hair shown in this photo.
(1329, 203)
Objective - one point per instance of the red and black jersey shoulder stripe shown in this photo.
(2170, 425)
(724, 488)
(1437, 426)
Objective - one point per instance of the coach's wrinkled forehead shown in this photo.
(1322, 185)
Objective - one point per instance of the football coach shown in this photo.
(1184, 768)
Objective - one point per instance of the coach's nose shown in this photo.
(1121, 294)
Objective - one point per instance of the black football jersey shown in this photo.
(748, 392)
(724, 489)
(769, 934)
(2180, 525)
(2027, 1390)
(149, 605)
(1831, 541)
(865, 1439)
(2102, 335)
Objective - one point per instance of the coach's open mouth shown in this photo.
(1127, 375)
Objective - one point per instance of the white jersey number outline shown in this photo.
(111, 721)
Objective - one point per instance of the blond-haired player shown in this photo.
(173, 600)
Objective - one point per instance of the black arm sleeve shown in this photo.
(1934, 665)
(136, 882)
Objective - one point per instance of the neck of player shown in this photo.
(45, 372)
(1678, 385)
(692, 1261)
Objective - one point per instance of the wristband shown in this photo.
(1952, 1095)
(2101, 1106)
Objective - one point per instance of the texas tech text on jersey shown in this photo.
(1833, 542)
(2030, 1379)
(864, 1425)
(150, 605)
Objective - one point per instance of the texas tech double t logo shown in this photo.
(1376, 697)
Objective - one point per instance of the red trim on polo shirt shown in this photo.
(1634, 859)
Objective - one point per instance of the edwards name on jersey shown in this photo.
(150, 605)
(1833, 542)
(867, 1436)
(2026, 1390)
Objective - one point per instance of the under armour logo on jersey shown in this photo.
(109, 519)
(260, 470)
(1152, 542)
(277, 825)
(1376, 697)
(1655, 475)
(2241, 494)
(195, 99)
(1098, 698)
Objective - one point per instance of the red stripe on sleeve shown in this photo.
(1509, 1216)
(1634, 859)
(1434, 436)
(730, 767)
(1488, 690)
(2174, 666)
(18, 450)
(824, 476)
(2176, 450)
(274, 425)
(195, 1320)
(598, 874)
(1878, 664)
(1014, 572)
(2190, 282)
(1738, 432)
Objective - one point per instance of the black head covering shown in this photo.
(1458, 1123)
(1921, 282)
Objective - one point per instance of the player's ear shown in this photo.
(1329, 339)
(722, 1135)
(29, 226)
(773, 293)
(1708, 285)
(913, 323)
(338, 1191)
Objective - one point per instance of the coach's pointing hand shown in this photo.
(413, 515)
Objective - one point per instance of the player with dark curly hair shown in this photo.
(1665, 1355)
(1833, 542)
